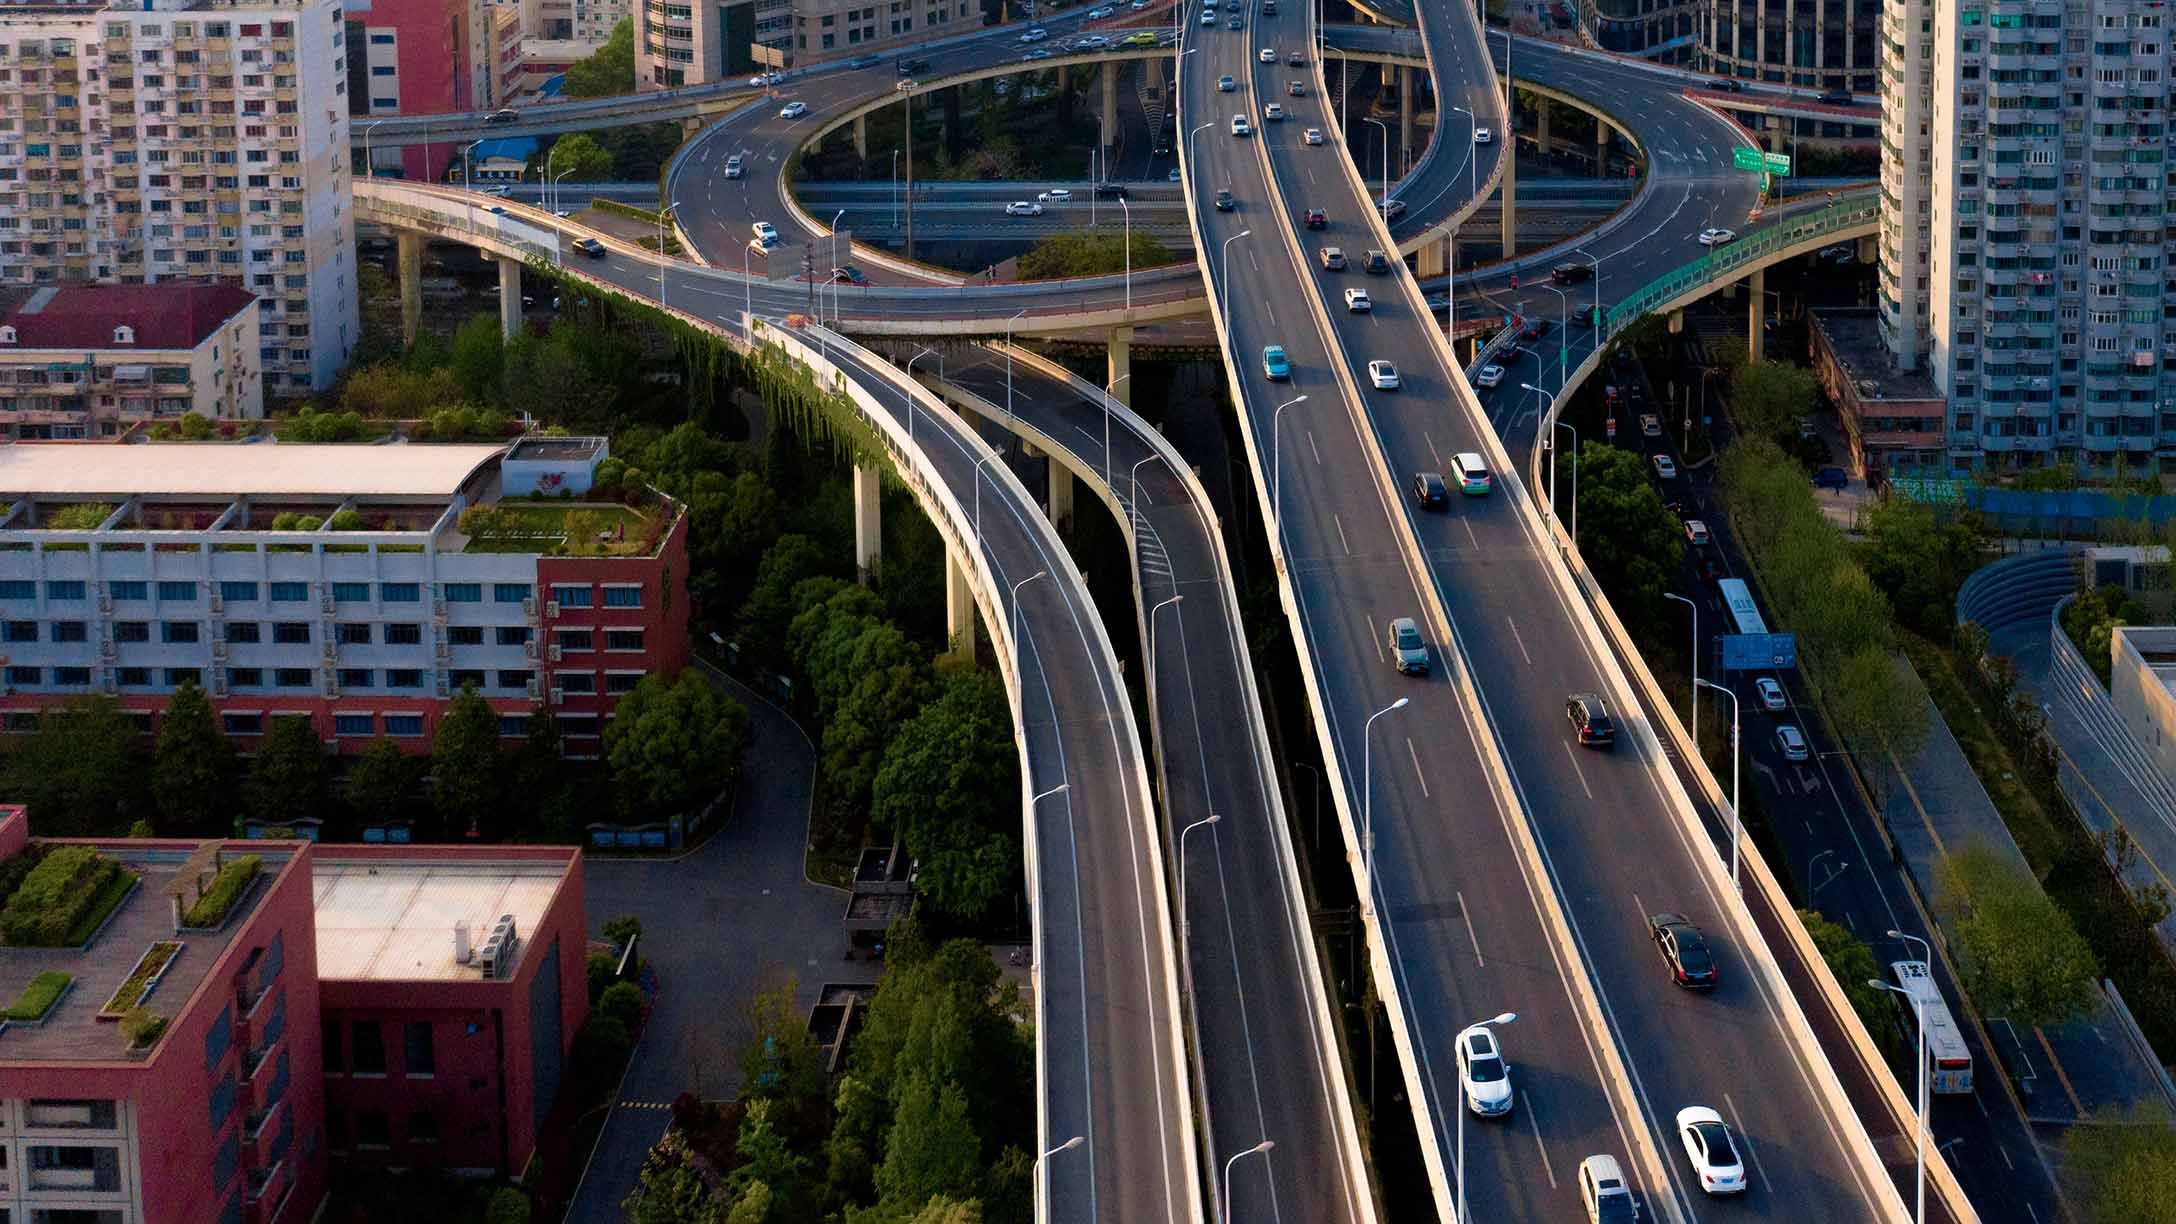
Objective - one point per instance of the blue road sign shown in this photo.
(1760, 651)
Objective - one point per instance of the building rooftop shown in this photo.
(555, 450)
(166, 315)
(256, 469)
(72, 1032)
(1854, 335)
(392, 919)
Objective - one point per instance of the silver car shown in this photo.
(1408, 649)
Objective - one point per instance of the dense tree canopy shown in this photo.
(192, 770)
(673, 745)
(287, 776)
(2020, 955)
(949, 786)
(1627, 534)
(609, 71)
(78, 772)
(1062, 255)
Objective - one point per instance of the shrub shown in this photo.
(13, 870)
(142, 1026)
(213, 903)
(508, 1206)
(601, 1044)
(83, 516)
(56, 893)
(621, 1001)
(38, 997)
(346, 520)
(310, 425)
(601, 967)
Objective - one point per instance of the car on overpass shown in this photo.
(1039, 53)
(1711, 1149)
(1408, 649)
(1239, 126)
(765, 232)
(503, 115)
(1589, 717)
(1023, 208)
(1383, 374)
(1092, 42)
(1224, 201)
(1268, 55)
(1273, 112)
(1056, 195)
(1357, 301)
(735, 166)
(1208, 17)
(1295, 59)
(1650, 425)
(1315, 218)
(1142, 38)
(1274, 366)
(1684, 949)
(1226, 83)
(1333, 259)
(1792, 744)
(1430, 492)
(1483, 1075)
(590, 247)
(1297, 89)
(1603, 1190)
(1715, 237)
(1489, 376)
(1472, 473)
(793, 110)
(1696, 533)
(1482, 135)
(1665, 467)
(1035, 34)
(1312, 136)
(1771, 695)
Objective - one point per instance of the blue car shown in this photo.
(1274, 366)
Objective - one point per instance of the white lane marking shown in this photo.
(1471, 937)
(1341, 540)
(1436, 455)
(1476, 540)
(1746, 1142)
(1526, 1106)
(1251, 260)
(1311, 447)
(1573, 757)
(1520, 640)
(1376, 638)
(1422, 778)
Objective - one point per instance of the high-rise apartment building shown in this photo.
(2023, 235)
(1823, 43)
(174, 139)
(681, 43)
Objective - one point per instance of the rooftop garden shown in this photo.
(142, 980)
(63, 896)
(215, 900)
(39, 997)
(562, 529)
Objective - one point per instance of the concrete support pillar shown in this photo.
(1432, 260)
(1120, 366)
(1779, 134)
(409, 247)
(1511, 196)
(1869, 249)
(1601, 149)
(1060, 484)
(509, 296)
(1541, 126)
(1110, 107)
(868, 522)
(1677, 322)
(1756, 301)
(959, 608)
(1390, 75)
(1405, 120)
(861, 137)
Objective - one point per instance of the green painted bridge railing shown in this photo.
(1853, 211)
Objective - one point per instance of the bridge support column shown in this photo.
(1541, 126)
(1756, 302)
(1601, 149)
(1511, 195)
(1869, 249)
(861, 137)
(868, 522)
(509, 296)
(1431, 261)
(1060, 485)
(1677, 322)
(409, 247)
(1120, 366)
(959, 608)
(1109, 130)
(1405, 120)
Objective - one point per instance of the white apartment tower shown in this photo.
(186, 140)
(2024, 238)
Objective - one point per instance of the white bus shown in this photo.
(1949, 1060)
(1744, 613)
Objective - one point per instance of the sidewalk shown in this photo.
(2070, 1073)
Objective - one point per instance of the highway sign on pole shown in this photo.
(1777, 163)
(1759, 651)
(1745, 157)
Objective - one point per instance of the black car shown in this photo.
(1113, 191)
(908, 67)
(1534, 330)
(1685, 948)
(1317, 219)
(1375, 263)
(1730, 85)
(590, 247)
(1430, 491)
(1590, 720)
(1224, 201)
(848, 275)
(502, 116)
(1295, 59)
(1569, 273)
(863, 61)
(1836, 97)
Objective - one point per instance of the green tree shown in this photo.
(1768, 397)
(609, 71)
(2119, 1169)
(579, 157)
(508, 1206)
(623, 1002)
(465, 763)
(77, 773)
(932, 1148)
(380, 782)
(1852, 961)
(672, 746)
(192, 768)
(770, 1162)
(478, 361)
(2020, 956)
(854, 741)
(1630, 537)
(942, 1210)
(287, 776)
(780, 1060)
(945, 785)
(669, 1191)
(1880, 702)
(731, 521)
(1920, 557)
(1063, 255)
(765, 615)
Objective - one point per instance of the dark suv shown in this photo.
(1836, 97)
(1375, 263)
(1571, 273)
(908, 67)
(1590, 720)
(1317, 219)
(1111, 191)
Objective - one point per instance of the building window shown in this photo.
(351, 724)
(292, 677)
(351, 592)
(623, 597)
(68, 590)
(406, 726)
(418, 1057)
(178, 676)
(509, 592)
(291, 633)
(400, 592)
(578, 726)
(571, 596)
(357, 677)
(465, 635)
(404, 635)
(25, 675)
(249, 632)
(514, 635)
(403, 678)
(244, 724)
(330, 1032)
(575, 682)
(181, 592)
(514, 726)
(466, 677)
(515, 679)
(350, 633)
(133, 677)
(369, 1048)
(290, 592)
(70, 631)
(572, 640)
(464, 592)
(623, 639)
(239, 592)
(616, 683)
(21, 631)
(371, 1130)
(177, 632)
(70, 1115)
(128, 590)
(72, 677)
(18, 588)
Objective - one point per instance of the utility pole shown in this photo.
(808, 273)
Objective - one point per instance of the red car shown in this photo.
(1317, 219)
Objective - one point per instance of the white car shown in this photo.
(1650, 425)
(1771, 695)
(1483, 1075)
(1792, 743)
(765, 232)
(1384, 375)
(1056, 195)
(1312, 136)
(735, 167)
(1273, 112)
(1696, 532)
(1356, 301)
(793, 110)
(1489, 376)
(1098, 14)
(1093, 42)
(1712, 1150)
(1208, 16)
(1034, 35)
(1240, 126)
(1268, 55)
(764, 80)
(1665, 467)
(1482, 135)
(1716, 237)
(1023, 208)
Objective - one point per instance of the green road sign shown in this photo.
(1743, 158)
(1778, 163)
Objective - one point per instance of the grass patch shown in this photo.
(579, 530)
(2061, 851)
(109, 898)
(39, 997)
(130, 992)
(213, 905)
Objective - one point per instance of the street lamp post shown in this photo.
(1492, 1022)
(370, 168)
(895, 189)
(1067, 1146)
(1225, 301)
(1919, 1024)
(1734, 828)
(662, 214)
(1263, 1146)
(548, 155)
(835, 219)
(1108, 412)
(1473, 165)
(1008, 359)
(468, 182)
(1276, 466)
(1041, 573)
(1367, 803)
(1595, 262)
(1128, 210)
(1695, 712)
(1384, 204)
(1186, 922)
(747, 280)
(1190, 142)
(907, 87)
(1563, 337)
(1551, 444)
(910, 374)
(1133, 506)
